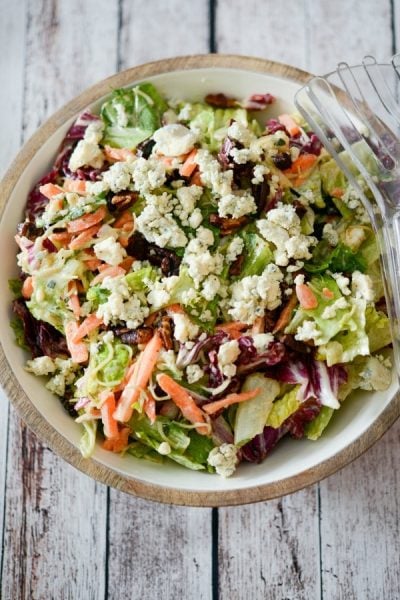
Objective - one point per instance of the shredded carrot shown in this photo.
(83, 238)
(233, 329)
(127, 263)
(196, 179)
(301, 165)
(118, 154)
(74, 185)
(107, 409)
(107, 271)
(286, 314)
(139, 379)
(124, 240)
(214, 407)
(87, 221)
(91, 323)
(92, 263)
(337, 192)
(308, 300)
(49, 190)
(175, 308)
(189, 165)
(328, 293)
(125, 217)
(258, 325)
(73, 301)
(149, 407)
(117, 444)
(184, 401)
(27, 288)
(62, 238)
(290, 124)
(79, 352)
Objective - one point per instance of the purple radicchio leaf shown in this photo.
(259, 101)
(41, 338)
(186, 357)
(274, 354)
(273, 125)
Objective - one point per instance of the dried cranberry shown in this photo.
(282, 161)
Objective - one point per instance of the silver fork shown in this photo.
(355, 111)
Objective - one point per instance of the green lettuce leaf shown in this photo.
(15, 287)
(258, 254)
(97, 295)
(251, 415)
(114, 363)
(88, 438)
(378, 329)
(314, 429)
(283, 408)
(341, 259)
(18, 327)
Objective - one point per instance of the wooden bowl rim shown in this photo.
(57, 442)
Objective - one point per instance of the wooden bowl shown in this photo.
(294, 464)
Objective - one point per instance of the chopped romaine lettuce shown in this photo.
(251, 415)
(283, 408)
(314, 429)
(88, 438)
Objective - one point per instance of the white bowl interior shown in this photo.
(290, 457)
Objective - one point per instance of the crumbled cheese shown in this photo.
(362, 286)
(375, 375)
(65, 376)
(108, 337)
(228, 353)
(224, 459)
(299, 279)
(308, 331)
(259, 172)
(121, 305)
(261, 341)
(164, 449)
(331, 310)
(95, 188)
(198, 258)
(195, 219)
(285, 216)
(157, 224)
(236, 205)
(174, 140)
(87, 151)
(118, 177)
(252, 295)
(184, 329)
(110, 251)
(193, 372)
(187, 199)
(147, 175)
(42, 365)
(167, 361)
(239, 132)
(234, 250)
(160, 292)
(330, 234)
(212, 174)
(343, 283)
(210, 287)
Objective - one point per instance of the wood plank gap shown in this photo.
(212, 10)
(119, 35)
(107, 544)
(3, 495)
(393, 26)
(214, 553)
(319, 508)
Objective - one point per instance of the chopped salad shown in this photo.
(198, 280)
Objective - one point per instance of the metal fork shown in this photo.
(355, 111)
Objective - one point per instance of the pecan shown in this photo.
(124, 199)
(227, 225)
(220, 101)
(164, 328)
(142, 335)
(236, 266)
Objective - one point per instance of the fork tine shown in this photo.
(378, 82)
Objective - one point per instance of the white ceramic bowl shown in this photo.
(363, 418)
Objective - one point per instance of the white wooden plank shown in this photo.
(260, 29)
(12, 28)
(55, 534)
(396, 24)
(158, 551)
(270, 550)
(339, 31)
(152, 30)
(360, 528)
(167, 553)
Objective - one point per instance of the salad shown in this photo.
(198, 280)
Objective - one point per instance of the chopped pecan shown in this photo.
(236, 266)
(164, 328)
(227, 225)
(141, 335)
(220, 101)
(124, 199)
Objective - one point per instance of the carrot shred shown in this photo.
(301, 165)
(290, 124)
(87, 221)
(189, 165)
(258, 325)
(337, 192)
(118, 154)
(286, 314)
(91, 323)
(73, 301)
(139, 379)
(328, 293)
(107, 271)
(83, 238)
(125, 217)
(149, 407)
(308, 300)
(127, 263)
(184, 401)
(233, 329)
(27, 288)
(175, 308)
(118, 444)
(110, 425)
(49, 190)
(79, 352)
(62, 238)
(74, 185)
(92, 263)
(196, 179)
(213, 407)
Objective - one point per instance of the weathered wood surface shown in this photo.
(68, 537)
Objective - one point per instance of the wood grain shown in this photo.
(54, 539)
(259, 29)
(271, 550)
(158, 551)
